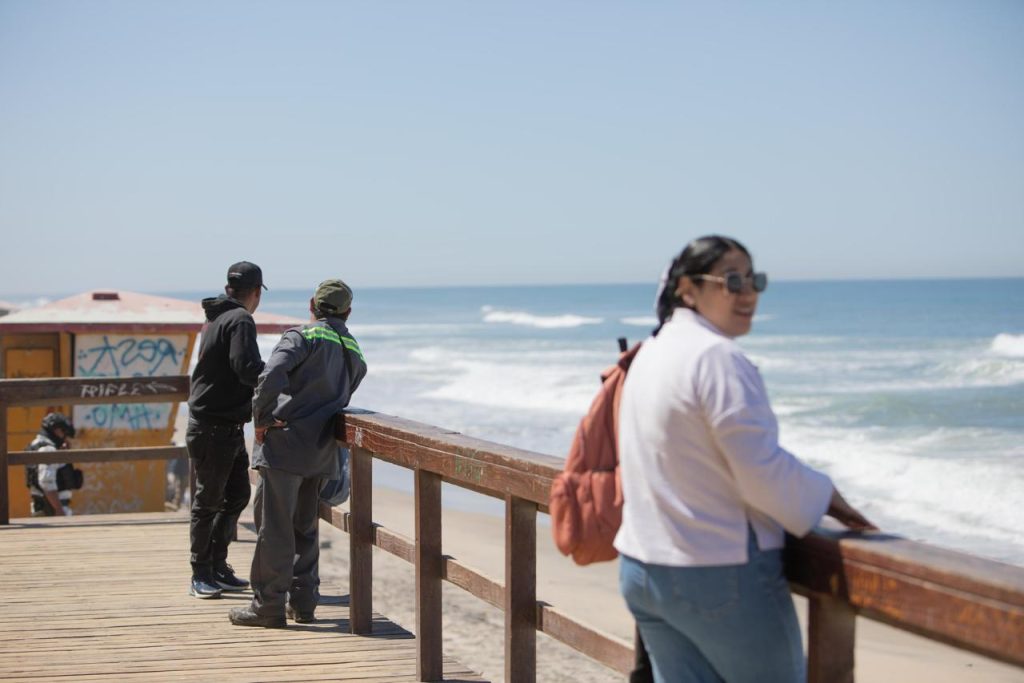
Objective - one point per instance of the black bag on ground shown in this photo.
(69, 477)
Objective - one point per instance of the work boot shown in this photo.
(203, 588)
(245, 616)
(299, 617)
(225, 578)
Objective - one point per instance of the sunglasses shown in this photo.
(734, 281)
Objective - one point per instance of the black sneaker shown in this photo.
(204, 588)
(226, 579)
(244, 616)
(299, 617)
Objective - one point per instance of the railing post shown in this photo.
(831, 626)
(520, 590)
(5, 502)
(360, 573)
(429, 664)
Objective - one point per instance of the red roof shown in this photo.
(110, 310)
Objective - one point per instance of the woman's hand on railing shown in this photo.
(847, 515)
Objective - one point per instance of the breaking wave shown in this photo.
(493, 315)
(1008, 345)
(640, 321)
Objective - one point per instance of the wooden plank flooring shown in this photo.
(105, 597)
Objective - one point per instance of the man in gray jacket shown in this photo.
(309, 378)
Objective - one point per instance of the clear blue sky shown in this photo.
(146, 145)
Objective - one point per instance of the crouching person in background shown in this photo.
(309, 378)
(50, 484)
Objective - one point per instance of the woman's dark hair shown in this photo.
(698, 258)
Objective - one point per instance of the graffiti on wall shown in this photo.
(119, 355)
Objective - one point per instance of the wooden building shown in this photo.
(106, 334)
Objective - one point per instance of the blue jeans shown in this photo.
(733, 623)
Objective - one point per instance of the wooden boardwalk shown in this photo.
(105, 597)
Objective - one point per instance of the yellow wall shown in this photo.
(133, 486)
(36, 355)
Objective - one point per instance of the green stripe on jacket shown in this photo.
(330, 335)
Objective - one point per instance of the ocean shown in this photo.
(910, 394)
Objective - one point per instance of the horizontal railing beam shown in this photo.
(601, 647)
(460, 460)
(93, 390)
(97, 455)
(964, 601)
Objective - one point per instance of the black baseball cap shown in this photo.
(245, 275)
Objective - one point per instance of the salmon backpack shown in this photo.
(586, 498)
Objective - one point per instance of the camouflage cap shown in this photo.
(332, 297)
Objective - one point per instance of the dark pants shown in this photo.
(41, 507)
(221, 464)
(285, 564)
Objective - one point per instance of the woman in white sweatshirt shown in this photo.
(708, 490)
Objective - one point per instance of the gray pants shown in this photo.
(287, 543)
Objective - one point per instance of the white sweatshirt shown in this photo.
(700, 457)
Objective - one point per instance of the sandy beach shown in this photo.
(473, 629)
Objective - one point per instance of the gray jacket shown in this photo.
(305, 383)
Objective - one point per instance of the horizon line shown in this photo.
(896, 279)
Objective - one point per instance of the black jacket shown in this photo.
(229, 364)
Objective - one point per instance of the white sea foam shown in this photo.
(983, 372)
(527, 378)
(953, 487)
(651, 321)
(793, 405)
(512, 382)
(817, 363)
(430, 354)
(796, 341)
(810, 368)
(519, 387)
(399, 330)
(493, 315)
(640, 321)
(265, 342)
(1008, 345)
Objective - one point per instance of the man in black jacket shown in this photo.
(220, 403)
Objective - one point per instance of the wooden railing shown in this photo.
(964, 601)
(83, 391)
(967, 602)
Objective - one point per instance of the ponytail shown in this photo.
(665, 301)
